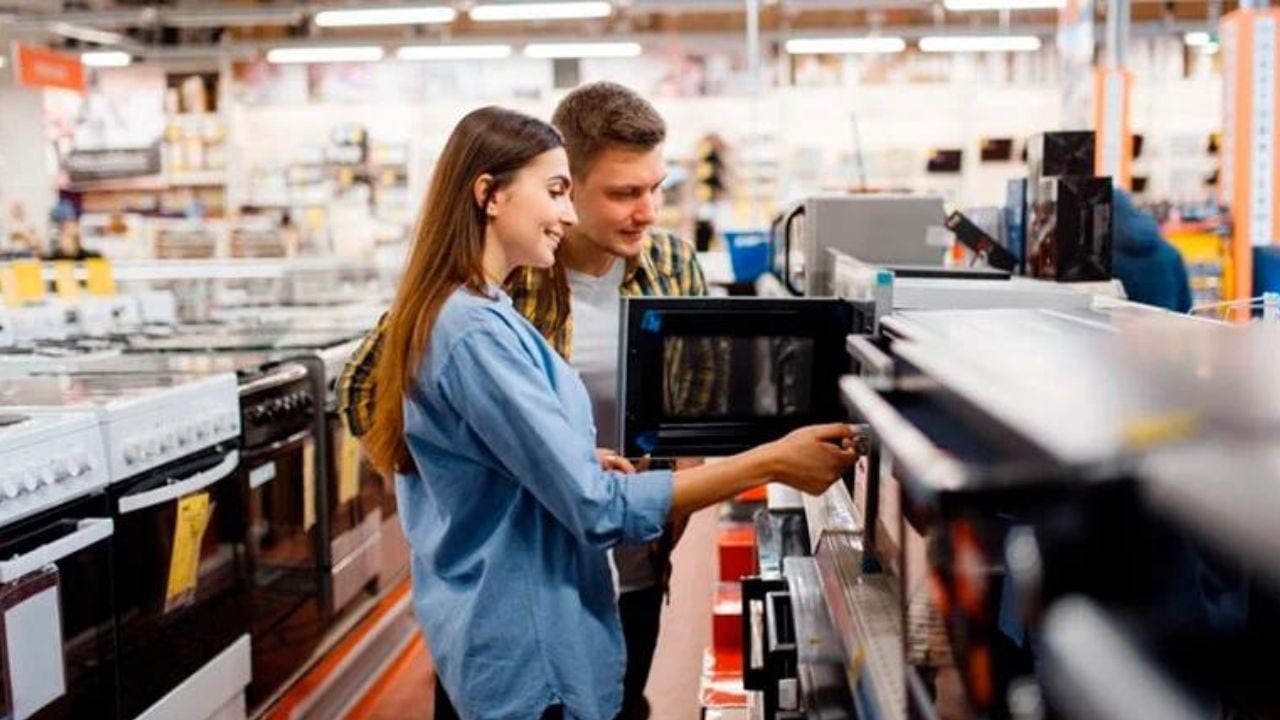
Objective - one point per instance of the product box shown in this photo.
(1069, 234)
(1054, 154)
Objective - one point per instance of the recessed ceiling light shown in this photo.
(424, 15)
(349, 53)
(541, 11)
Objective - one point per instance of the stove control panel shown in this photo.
(173, 423)
(61, 457)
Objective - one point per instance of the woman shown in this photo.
(489, 431)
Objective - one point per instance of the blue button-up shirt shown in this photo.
(509, 516)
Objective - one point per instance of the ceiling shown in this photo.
(192, 28)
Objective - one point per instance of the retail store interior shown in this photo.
(1028, 251)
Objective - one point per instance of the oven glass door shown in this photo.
(181, 583)
(54, 581)
(277, 483)
(714, 376)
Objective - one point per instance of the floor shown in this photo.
(673, 684)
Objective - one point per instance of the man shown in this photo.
(614, 141)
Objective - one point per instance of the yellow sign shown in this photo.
(308, 485)
(192, 520)
(64, 280)
(30, 279)
(101, 279)
(348, 467)
(9, 287)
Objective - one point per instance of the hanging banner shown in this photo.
(39, 68)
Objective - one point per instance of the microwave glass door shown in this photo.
(714, 376)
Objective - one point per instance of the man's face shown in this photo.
(619, 198)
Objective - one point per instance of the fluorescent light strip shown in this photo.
(85, 33)
(842, 46)
(583, 50)
(426, 15)
(106, 59)
(980, 43)
(1197, 39)
(349, 53)
(454, 52)
(541, 11)
(975, 5)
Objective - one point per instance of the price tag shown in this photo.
(64, 280)
(101, 279)
(29, 278)
(188, 534)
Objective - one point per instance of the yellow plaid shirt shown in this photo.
(666, 266)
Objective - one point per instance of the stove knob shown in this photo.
(168, 441)
(132, 453)
(9, 487)
(204, 428)
(48, 474)
(78, 465)
(30, 480)
(151, 447)
(231, 420)
(185, 435)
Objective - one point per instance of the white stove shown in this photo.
(47, 458)
(146, 420)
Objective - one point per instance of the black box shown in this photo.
(1069, 231)
(1054, 154)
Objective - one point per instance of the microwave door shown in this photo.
(707, 377)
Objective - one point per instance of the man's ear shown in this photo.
(481, 189)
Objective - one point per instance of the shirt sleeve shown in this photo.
(508, 402)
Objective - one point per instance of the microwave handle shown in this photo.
(172, 491)
(89, 531)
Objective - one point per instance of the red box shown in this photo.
(726, 618)
(736, 548)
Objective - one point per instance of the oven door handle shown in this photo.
(88, 532)
(174, 490)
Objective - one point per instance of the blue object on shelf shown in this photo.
(749, 252)
(1266, 269)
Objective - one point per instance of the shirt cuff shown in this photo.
(648, 498)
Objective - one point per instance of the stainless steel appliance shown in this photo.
(57, 618)
(180, 585)
(883, 229)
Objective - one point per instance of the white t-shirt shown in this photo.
(594, 302)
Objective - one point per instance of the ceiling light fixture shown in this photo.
(84, 33)
(106, 59)
(541, 11)
(845, 46)
(977, 5)
(349, 53)
(1197, 39)
(454, 52)
(980, 43)
(423, 15)
(583, 50)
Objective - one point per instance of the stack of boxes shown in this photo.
(1068, 216)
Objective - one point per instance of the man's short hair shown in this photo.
(601, 115)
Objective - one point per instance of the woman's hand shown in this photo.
(811, 458)
(610, 460)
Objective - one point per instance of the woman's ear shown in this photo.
(481, 189)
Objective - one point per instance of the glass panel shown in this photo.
(737, 377)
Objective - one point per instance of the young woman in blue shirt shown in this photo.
(507, 504)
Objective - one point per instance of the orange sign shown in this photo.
(41, 68)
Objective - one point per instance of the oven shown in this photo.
(276, 515)
(181, 580)
(57, 619)
(714, 376)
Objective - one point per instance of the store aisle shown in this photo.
(673, 685)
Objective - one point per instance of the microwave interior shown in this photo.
(713, 376)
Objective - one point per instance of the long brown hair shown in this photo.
(447, 251)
